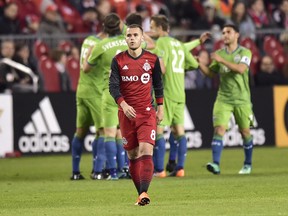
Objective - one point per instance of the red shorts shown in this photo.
(140, 129)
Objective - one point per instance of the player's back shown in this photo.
(88, 84)
(105, 52)
(173, 53)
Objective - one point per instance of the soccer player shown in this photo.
(175, 58)
(232, 65)
(133, 74)
(88, 100)
(102, 55)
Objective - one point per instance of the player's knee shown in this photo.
(219, 130)
(81, 133)
(245, 133)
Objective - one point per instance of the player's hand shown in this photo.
(204, 36)
(216, 57)
(159, 114)
(128, 110)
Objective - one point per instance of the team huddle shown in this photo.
(131, 88)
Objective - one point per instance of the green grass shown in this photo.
(41, 186)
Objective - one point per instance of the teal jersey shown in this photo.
(176, 59)
(90, 84)
(234, 87)
(103, 53)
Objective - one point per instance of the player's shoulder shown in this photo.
(91, 40)
(244, 49)
(147, 53)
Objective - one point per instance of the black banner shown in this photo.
(45, 123)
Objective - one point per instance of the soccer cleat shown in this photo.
(112, 177)
(177, 173)
(160, 174)
(214, 168)
(96, 176)
(143, 199)
(170, 166)
(246, 169)
(124, 173)
(76, 176)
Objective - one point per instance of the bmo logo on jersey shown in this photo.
(145, 77)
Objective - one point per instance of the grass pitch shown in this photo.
(41, 186)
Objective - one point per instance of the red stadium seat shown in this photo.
(250, 44)
(66, 46)
(279, 60)
(51, 78)
(40, 49)
(73, 69)
(271, 45)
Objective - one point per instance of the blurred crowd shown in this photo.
(50, 24)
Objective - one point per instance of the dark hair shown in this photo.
(161, 20)
(231, 26)
(133, 18)
(136, 26)
(112, 24)
(234, 15)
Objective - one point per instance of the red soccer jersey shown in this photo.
(133, 80)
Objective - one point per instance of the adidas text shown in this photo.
(44, 143)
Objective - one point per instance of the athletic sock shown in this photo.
(77, 145)
(159, 150)
(146, 172)
(111, 152)
(248, 150)
(134, 168)
(217, 146)
(173, 148)
(101, 155)
(120, 154)
(182, 152)
(94, 152)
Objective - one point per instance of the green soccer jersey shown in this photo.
(89, 84)
(234, 87)
(104, 52)
(176, 59)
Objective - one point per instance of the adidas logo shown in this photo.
(43, 131)
(125, 67)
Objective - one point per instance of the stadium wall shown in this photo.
(45, 123)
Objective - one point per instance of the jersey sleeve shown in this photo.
(95, 53)
(157, 82)
(192, 44)
(246, 57)
(214, 66)
(114, 82)
(162, 51)
(190, 61)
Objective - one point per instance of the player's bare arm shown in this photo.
(86, 66)
(204, 36)
(162, 65)
(205, 70)
(149, 41)
(160, 113)
(238, 68)
(129, 111)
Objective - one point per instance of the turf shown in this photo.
(41, 186)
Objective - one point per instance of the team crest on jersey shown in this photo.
(237, 58)
(146, 66)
